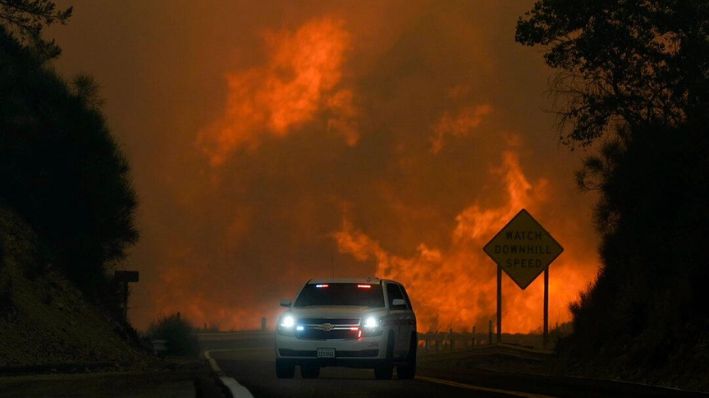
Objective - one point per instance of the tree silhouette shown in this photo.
(25, 20)
(60, 168)
(636, 72)
(637, 62)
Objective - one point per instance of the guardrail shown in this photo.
(159, 346)
(451, 341)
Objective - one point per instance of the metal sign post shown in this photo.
(499, 304)
(546, 306)
(523, 249)
(126, 277)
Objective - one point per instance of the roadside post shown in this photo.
(126, 277)
(489, 332)
(523, 249)
(451, 341)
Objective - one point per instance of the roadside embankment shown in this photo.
(44, 320)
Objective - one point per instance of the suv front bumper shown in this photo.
(361, 352)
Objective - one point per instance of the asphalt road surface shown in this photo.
(250, 360)
(254, 368)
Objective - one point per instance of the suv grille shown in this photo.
(315, 334)
(328, 329)
(337, 321)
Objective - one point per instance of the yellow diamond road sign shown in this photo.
(523, 248)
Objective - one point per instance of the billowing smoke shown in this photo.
(272, 143)
(298, 83)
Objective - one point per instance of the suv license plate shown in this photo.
(326, 353)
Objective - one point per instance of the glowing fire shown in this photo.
(301, 78)
(456, 287)
(303, 85)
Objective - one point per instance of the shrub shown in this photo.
(178, 334)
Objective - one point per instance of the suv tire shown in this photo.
(284, 369)
(408, 370)
(386, 370)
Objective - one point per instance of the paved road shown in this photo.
(250, 360)
(254, 368)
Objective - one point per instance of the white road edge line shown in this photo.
(236, 389)
(479, 388)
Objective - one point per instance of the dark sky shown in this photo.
(272, 143)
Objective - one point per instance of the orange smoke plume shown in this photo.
(459, 124)
(186, 293)
(456, 287)
(300, 79)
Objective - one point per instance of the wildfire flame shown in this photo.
(302, 85)
(456, 287)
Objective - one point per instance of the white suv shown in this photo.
(363, 323)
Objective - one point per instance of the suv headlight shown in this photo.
(371, 322)
(287, 324)
(371, 326)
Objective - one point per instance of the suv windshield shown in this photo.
(365, 295)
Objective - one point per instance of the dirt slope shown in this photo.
(44, 320)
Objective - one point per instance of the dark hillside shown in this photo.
(66, 207)
(634, 77)
(44, 319)
(646, 315)
(61, 170)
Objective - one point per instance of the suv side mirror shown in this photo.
(285, 303)
(398, 303)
